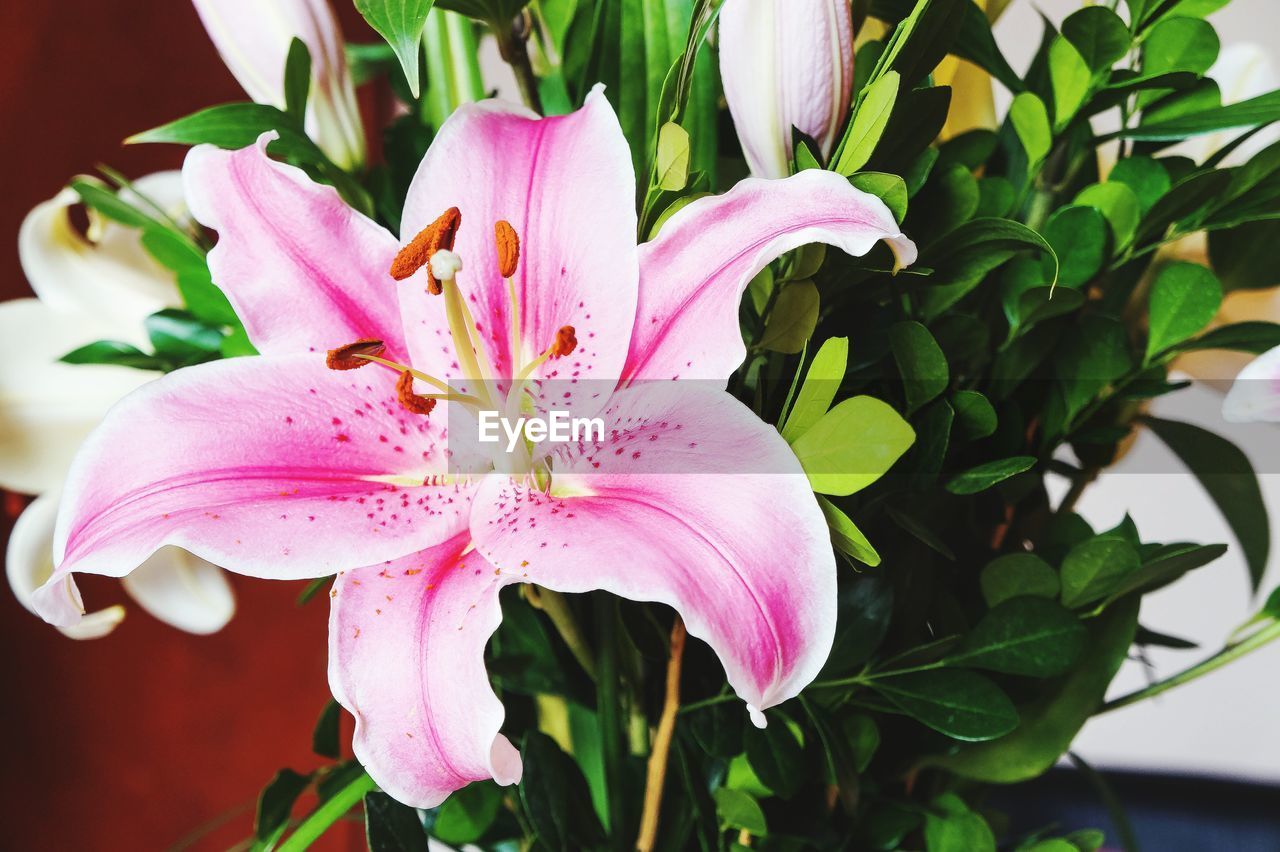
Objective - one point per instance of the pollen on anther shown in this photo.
(566, 342)
(410, 400)
(508, 243)
(347, 357)
(418, 251)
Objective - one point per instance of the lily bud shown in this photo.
(785, 64)
(253, 37)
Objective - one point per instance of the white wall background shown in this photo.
(1228, 723)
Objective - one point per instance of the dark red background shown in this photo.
(138, 740)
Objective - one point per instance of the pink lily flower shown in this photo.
(279, 467)
(785, 64)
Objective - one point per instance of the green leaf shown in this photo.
(236, 125)
(390, 826)
(1242, 258)
(555, 796)
(1030, 636)
(467, 814)
(739, 811)
(1262, 110)
(852, 445)
(276, 803)
(180, 337)
(868, 124)
(673, 157)
(920, 361)
(1098, 35)
(297, 79)
(846, 536)
(1118, 205)
(97, 195)
(1147, 178)
(976, 43)
(1015, 575)
(1184, 298)
(821, 383)
(325, 738)
(777, 757)
(975, 416)
(1180, 44)
(1186, 198)
(793, 318)
(1230, 481)
(890, 189)
(960, 704)
(984, 476)
(1166, 566)
(921, 40)
(1049, 725)
(864, 607)
(1094, 568)
(1070, 77)
(1092, 356)
(1030, 122)
(949, 826)
(1078, 236)
(400, 22)
(1254, 336)
(112, 352)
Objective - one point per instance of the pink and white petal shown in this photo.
(270, 467)
(694, 502)
(406, 658)
(693, 274)
(29, 562)
(567, 186)
(48, 408)
(303, 270)
(1255, 393)
(183, 591)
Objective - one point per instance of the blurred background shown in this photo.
(154, 738)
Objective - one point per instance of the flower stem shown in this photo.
(557, 609)
(513, 45)
(608, 709)
(1226, 655)
(657, 775)
(328, 813)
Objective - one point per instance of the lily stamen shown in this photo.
(447, 392)
(508, 244)
(349, 357)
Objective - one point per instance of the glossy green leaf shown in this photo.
(868, 124)
(793, 318)
(276, 803)
(1147, 178)
(390, 826)
(1118, 205)
(1095, 568)
(1098, 35)
(1184, 298)
(920, 361)
(852, 445)
(1261, 110)
(400, 22)
(1078, 236)
(1070, 77)
(237, 125)
(1253, 336)
(975, 416)
(978, 479)
(1030, 122)
(325, 739)
(1230, 481)
(960, 704)
(555, 797)
(846, 536)
(1092, 356)
(950, 826)
(821, 383)
(467, 814)
(1166, 566)
(112, 352)
(740, 811)
(1180, 44)
(890, 189)
(1026, 635)
(673, 157)
(1016, 575)
(297, 79)
(777, 756)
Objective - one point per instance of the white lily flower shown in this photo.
(253, 38)
(89, 288)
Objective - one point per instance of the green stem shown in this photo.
(609, 711)
(513, 45)
(323, 817)
(707, 702)
(557, 609)
(1226, 655)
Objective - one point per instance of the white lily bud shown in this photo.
(253, 37)
(785, 64)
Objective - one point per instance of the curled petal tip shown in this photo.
(757, 717)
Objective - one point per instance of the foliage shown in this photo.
(979, 625)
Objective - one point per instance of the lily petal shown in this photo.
(1255, 393)
(698, 504)
(183, 591)
(111, 277)
(47, 408)
(406, 658)
(28, 562)
(304, 271)
(693, 275)
(567, 186)
(270, 467)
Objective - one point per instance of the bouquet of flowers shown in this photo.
(686, 440)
